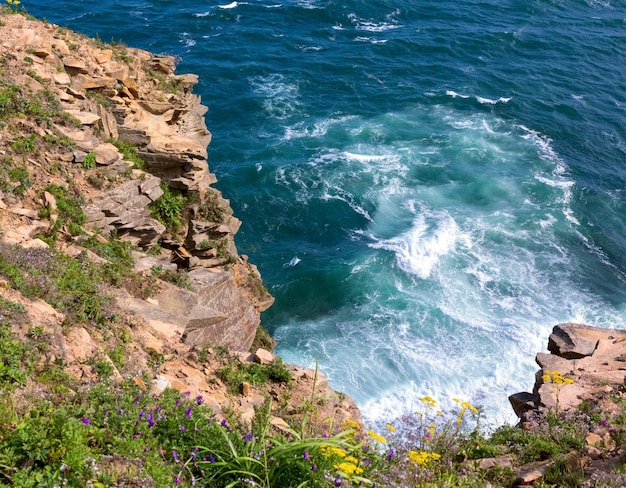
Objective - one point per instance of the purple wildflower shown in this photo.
(223, 423)
(306, 456)
(248, 437)
(338, 481)
(175, 454)
(199, 400)
(188, 412)
(182, 429)
(86, 421)
(313, 467)
(176, 479)
(391, 453)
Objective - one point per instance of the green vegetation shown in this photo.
(89, 161)
(168, 208)
(14, 178)
(177, 277)
(74, 286)
(234, 373)
(211, 209)
(129, 151)
(69, 204)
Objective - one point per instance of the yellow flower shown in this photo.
(328, 451)
(556, 378)
(350, 424)
(352, 459)
(429, 401)
(423, 458)
(390, 427)
(348, 468)
(376, 437)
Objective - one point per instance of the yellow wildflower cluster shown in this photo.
(390, 427)
(423, 458)
(466, 405)
(376, 437)
(350, 424)
(556, 378)
(13, 3)
(428, 401)
(328, 451)
(348, 468)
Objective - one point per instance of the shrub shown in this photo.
(168, 208)
(89, 161)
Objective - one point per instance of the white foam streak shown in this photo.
(228, 6)
(491, 101)
(419, 250)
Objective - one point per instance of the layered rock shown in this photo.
(586, 359)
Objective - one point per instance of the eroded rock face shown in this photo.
(590, 358)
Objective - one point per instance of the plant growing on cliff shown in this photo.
(70, 214)
(129, 151)
(168, 208)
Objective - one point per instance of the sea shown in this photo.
(427, 186)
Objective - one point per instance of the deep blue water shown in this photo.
(427, 187)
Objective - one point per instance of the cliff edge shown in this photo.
(115, 247)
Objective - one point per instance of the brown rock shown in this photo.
(106, 154)
(102, 55)
(572, 341)
(263, 356)
(74, 64)
(532, 471)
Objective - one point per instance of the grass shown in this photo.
(234, 374)
(74, 286)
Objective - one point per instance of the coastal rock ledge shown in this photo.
(591, 361)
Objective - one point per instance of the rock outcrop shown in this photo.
(587, 359)
(126, 106)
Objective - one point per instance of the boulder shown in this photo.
(572, 341)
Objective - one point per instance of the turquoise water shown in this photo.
(427, 187)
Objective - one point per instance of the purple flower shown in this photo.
(199, 400)
(338, 480)
(367, 462)
(150, 420)
(86, 421)
(175, 454)
(391, 453)
(248, 437)
(313, 467)
(188, 412)
(178, 402)
(605, 422)
(141, 414)
(223, 423)
(176, 479)
(121, 412)
(182, 429)
(306, 456)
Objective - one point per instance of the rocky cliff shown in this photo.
(103, 144)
